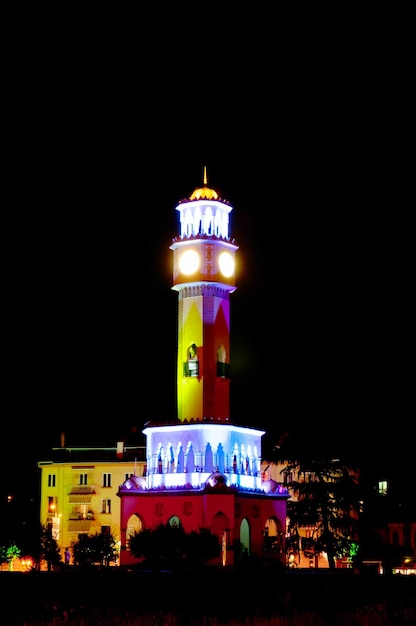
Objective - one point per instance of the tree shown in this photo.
(97, 549)
(32, 542)
(201, 546)
(49, 549)
(104, 548)
(327, 497)
(164, 543)
(3, 555)
(8, 554)
(168, 544)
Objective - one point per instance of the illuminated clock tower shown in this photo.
(204, 277)
(202, 469)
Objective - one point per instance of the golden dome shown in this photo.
(204, 193)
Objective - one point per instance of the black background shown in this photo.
(104, 133)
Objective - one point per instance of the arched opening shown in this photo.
(244, 539)
(220, 526)
(191, 366)
(174, 522)
(134, 526)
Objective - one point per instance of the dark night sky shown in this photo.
(98, 155)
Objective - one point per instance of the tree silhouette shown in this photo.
(327, 497)
(49, 549)
(97, 549)
(169, 545)
(8, 554)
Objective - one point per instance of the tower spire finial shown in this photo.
(205, 175)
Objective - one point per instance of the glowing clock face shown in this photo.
(189, 262)
(226, 263)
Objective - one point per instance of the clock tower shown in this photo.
(204, 277)
(202, 471)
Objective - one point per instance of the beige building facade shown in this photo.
(79, 486)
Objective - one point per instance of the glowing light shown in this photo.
(26, 564)
(226, 263)
(189, 262)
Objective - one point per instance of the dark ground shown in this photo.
(207, 596)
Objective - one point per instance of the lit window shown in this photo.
(382, 488)
(191, 366)
(106, 506)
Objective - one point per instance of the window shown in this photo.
(51, 480)
(382, 488)
(191, 366)
(106, 480)
(82, 511)
(223, 370)
(106, 506)
(127, 476)
(83, 479)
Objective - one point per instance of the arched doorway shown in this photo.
(220, 526)
(134, 525)
(245, 539)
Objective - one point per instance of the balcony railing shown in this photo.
(191, 369)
